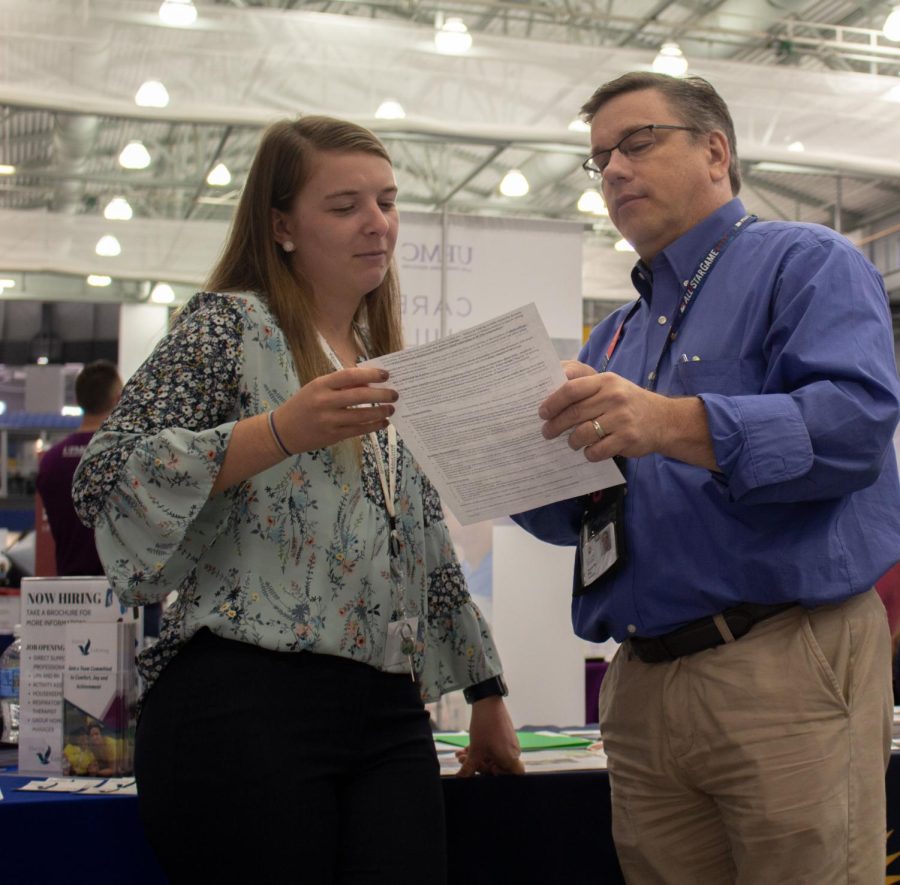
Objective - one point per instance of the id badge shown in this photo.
(601, 543)
(400, 645)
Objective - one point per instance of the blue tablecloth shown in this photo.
(499, 830)
(532, 830)
(50, 838)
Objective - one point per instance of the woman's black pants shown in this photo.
(260, 767)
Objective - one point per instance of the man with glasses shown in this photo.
(750, 394)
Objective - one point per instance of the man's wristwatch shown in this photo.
(487, 689)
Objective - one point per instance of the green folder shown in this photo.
(528, 740)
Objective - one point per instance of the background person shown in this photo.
(251, 467)
(97, 390)
(751, 393)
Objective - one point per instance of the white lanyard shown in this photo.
(400, 643)
(388, 477)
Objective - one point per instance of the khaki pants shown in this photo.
(761, 761)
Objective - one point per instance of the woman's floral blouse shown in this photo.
(293, 559)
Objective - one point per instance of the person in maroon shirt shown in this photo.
(97, 390)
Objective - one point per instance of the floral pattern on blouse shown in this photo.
(296, 558)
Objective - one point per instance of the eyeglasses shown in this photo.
(634, 145)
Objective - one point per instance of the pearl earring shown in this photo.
(288, 246)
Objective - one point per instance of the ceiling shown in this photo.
(819, 73)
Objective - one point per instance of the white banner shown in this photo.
(494, 265)
(48, 606)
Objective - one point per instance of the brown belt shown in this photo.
(702, 634)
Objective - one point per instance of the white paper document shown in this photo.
(468, 413)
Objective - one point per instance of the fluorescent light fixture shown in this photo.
(514, 184)
(162, 293)
(578, 125)
(108, 246)
(178, 13)
(390, 109)
(98, 280)
(796, 147)
(2, 406)
(891, 26)
(623, 246)
(6, 283)
(7, 169)
(118, 209)
(152, 94)
(670, 60)
(787, 168)
(134, 156)
(591, 201)
(453, 37)
(72, 411)
(42, 360)
(219, 176)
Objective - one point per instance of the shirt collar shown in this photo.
(683, 255)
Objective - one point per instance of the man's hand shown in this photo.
(605, 415)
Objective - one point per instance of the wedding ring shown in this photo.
(600, 432)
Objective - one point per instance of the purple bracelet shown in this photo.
(276, 437)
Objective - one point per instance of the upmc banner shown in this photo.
(494, 265)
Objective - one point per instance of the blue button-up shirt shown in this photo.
(789, 345)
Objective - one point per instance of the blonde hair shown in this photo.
(252, 261)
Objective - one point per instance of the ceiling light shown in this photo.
(152, 94)
(796, 146)
(390, 109)
(7, 284)
(514, 184)
(670, 60)
(453, 37)
(891, 27)
(108, 246)
(6, 169)
(178, 13)
(134, 156)
(219, 176)
(623, 246)
(591, 201)
(99, 280)
(785, 168)
(578, 125)
(162, 293)
(118, 209)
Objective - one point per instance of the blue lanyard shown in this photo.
(692, 289)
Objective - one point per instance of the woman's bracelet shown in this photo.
(278, 441)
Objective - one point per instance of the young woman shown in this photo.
(251, 467)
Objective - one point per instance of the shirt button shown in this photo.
(631, 628)
(651, 376)
(685, 283)
(662, 321)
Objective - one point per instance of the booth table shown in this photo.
(541, 828)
